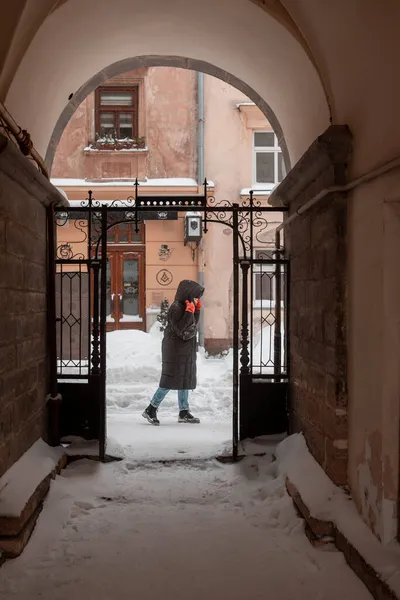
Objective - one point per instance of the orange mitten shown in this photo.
(189, 306)
(198, 304)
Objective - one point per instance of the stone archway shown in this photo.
(130, 64)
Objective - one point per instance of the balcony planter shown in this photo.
(109, 143)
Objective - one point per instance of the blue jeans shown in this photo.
(183, 398)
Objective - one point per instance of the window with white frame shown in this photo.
(264, 281)
(268, 163)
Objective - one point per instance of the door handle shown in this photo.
(112, 303)
(120, 297)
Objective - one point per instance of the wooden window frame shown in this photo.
(134, 110)
(116, 230)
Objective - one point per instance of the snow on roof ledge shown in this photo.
(239, 104)
(166, 182)
(256, 191)
(62, 192)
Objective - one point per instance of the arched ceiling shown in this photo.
(308, 59)
(356, 45)
(80, 38)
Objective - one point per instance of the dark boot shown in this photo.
(185, 416)
(150, 414)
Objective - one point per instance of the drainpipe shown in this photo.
(22, 138)
(200, 182)
(200, 128)
(335, 189)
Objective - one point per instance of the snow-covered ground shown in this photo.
(204, 530)
(133, 374)
(130, 436)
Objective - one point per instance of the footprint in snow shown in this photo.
(84, 505)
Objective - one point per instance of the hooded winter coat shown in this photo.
(179, 343)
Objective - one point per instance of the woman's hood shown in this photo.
(188, 290)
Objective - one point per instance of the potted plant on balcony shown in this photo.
(110, 141)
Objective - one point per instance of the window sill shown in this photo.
(131, 319)
(266, 304)
(259, 189)
(90, 151)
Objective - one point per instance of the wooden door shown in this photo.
(125, 290)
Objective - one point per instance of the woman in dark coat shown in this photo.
(179, 352)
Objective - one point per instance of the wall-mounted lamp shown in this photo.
(193, 231)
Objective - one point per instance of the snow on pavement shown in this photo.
(130, 436)
(125, 530)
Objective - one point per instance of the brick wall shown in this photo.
(318, 320)
(24, 194)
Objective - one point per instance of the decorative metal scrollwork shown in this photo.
(267, 254)
(260, 224)
(61, 218)
(129, 202)
(64, 250)
(220, 215)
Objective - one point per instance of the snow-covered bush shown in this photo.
(162, 315)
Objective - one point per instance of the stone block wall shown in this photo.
(24, 360)
(317, 244)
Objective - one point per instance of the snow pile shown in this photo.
(330, 503)
(225, 531)
(133, 356)
(20, 481)
(317, 490)
(134, 369)
(78, 446)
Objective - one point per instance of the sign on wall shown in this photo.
(161, 215)
(164, 277)
(164, 253)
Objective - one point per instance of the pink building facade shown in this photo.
(169, 128)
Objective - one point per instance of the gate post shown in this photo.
(95, 367)
(53, 398)
(235, 415)
(278, 317)
(244, 342)
(245, 368)
(103, 339)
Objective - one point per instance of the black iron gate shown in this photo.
(260, 300)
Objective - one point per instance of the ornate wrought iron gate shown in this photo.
(260, 300)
